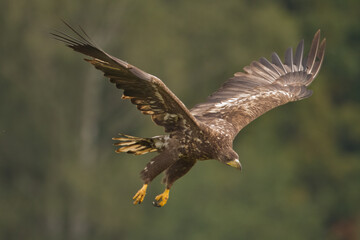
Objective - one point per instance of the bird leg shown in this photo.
(161, 199)
(140, 195)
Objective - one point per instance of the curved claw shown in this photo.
(161, 199)
(140, 195)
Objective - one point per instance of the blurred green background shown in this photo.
(61, 179)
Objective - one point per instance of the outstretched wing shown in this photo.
(148, 92)
(264, 86)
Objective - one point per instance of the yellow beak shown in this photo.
(235, 163)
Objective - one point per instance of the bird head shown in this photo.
(231, 158)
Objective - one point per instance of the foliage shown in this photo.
(59, 176)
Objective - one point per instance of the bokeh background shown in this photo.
(61, 179)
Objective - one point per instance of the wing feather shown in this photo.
(148, 92)
(262, 87)
(289, 59)
(320, 56)
(313, 52)
(273, 71)
(277, 61)
(298, 56)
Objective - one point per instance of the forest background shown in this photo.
(61, 179)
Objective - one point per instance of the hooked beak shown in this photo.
(235, 163)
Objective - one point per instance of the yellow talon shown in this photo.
(140, 195)
(161, 199)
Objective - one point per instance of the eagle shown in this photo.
(207, 130)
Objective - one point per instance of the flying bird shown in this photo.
(207, 130)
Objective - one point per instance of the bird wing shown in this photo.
(147, 92)
(263, 86)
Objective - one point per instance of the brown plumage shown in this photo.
(207, 130)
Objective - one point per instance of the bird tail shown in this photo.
(137, 145)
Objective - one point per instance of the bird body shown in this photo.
(207, 130)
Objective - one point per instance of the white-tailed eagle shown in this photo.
(207, 130)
